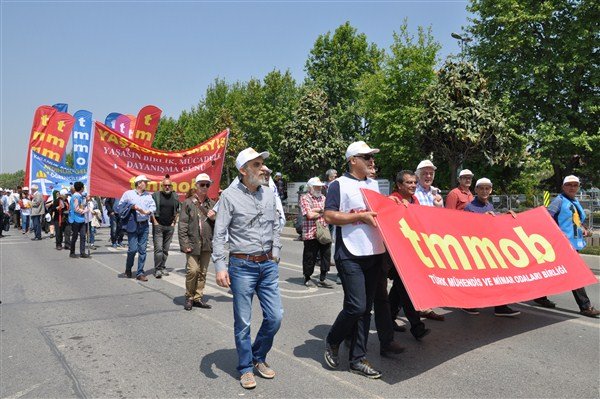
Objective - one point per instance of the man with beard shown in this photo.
(247, 218)
(163, 225)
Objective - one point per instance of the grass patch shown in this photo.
(591, 250)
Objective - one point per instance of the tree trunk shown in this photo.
(453, 165)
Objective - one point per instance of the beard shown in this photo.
(256, 180)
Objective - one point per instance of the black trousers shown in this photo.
(399, 298)
(309, 258)
(581, 297)
(59, 231)
(78, 229)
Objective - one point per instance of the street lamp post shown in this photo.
(463, 41)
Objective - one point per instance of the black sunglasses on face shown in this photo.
(204, 185)
(366, 157)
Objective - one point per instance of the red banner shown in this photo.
(41, 117)
(466, 260)
(117, 160)
(146, 124)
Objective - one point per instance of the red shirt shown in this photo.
(399, 196)
(458, 199)
(309, 226)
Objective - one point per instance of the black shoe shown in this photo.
(421, 334)
(309, 283)
(391, 348)
(73, 256)
(203, 305)
(398, 327)
(158, 274)
(472, 311)
(58, 248)
(128, 273)
(365, 369)
(505, 311)
(188, 304)
(164, 272)
(545, 303)
(85, 256)
(332, 357)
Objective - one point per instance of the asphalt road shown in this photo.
(75, 328)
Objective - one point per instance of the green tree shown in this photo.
(12, 180)
(312, 143)
(544, 56)
(391, 98)
(460, 120)
(336, 64)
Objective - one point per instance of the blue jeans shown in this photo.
(138, 240)
(36, 221)
(247, 278)
(359, 280)
(116, 231)
(24, 222)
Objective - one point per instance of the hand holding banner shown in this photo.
(465, 260)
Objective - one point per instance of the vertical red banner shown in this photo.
(146, 125)
(41, 118)
(53, 142)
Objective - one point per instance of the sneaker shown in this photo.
(505, 311)
(332, 357)
(114, 245)
(93, 246)
(73, 256)
(128, 274)
(545, 303)
(364, 368)
(472, 311)
(391, 348)
(164, 272)
(324, 284)
(188, 304)
(590, 312)
(158, 274)
(338, 281)
(263, 369)
(85, 256)
(310, 284)
(59, 248)
(247, 380)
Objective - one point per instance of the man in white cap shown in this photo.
(248, 216)
(568, 213)
(140, 204)
(312, 206)
(358, 256)
(428, 195)
(195, 240)
(459, 197)
(164, 220)
(481, 204)
(37, 211)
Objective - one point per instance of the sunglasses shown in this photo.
(203, 184)
(167, 185)
(366, 157)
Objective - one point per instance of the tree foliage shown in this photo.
(336, 64)
(12, 180)
(390, 98)
(544, 56)
(312, 143)
(461, 120)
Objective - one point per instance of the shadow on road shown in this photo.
(223, 359)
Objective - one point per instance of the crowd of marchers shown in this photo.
(240, 233)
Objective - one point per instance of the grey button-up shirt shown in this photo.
(251, 221)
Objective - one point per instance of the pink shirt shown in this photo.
(458, 199)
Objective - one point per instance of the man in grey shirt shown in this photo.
(247, 218)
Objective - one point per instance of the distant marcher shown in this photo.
(568, 213)
(195, 233)
(281, 186)
(116, 228)
(25, 205)
(38, 210)
(459, 197)
(164, 220)
(60, 216)
(77, 210)
(138, 205)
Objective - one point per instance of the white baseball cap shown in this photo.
(203, 177)
(64, 191)
(34, 187)
(141, 178)
(247, 155)
(25, 188)
(359, 148)
(483, 181)
(315, 182)
(465, 172)
(426, 164)
(571, 179)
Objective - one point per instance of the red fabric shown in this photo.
(41, 117)
(458, 199)
(309, 226)
(146, 124)
(527, 257)
(116, 161)
(399, 196)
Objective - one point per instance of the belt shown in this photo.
(254, 258)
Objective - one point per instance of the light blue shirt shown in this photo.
(143, 201)
(425, 197)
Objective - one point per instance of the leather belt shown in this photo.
(253, 258)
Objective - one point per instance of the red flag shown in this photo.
(116, 161)
(146, 125)
(57, 136)
(465, 260)
(41, 118)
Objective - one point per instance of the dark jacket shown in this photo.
(128, 217)
(156, 197)
(190, 236)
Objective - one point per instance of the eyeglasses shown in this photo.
(366, 157)
(203, 184)
(167, 185)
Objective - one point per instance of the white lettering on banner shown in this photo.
(152, 168)
(498, 280)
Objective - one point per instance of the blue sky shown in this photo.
(115, 56)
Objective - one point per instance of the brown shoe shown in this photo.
(188, 304)
(141, 277)
(247, 380)
(590, 312)
(430, 314)
(264, 370)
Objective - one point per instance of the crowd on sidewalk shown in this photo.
(240, 233)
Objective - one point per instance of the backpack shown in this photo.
(298, 222)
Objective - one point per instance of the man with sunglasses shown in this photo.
(196, 224)
(248, 219)
(358, 256)
(163, 225)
